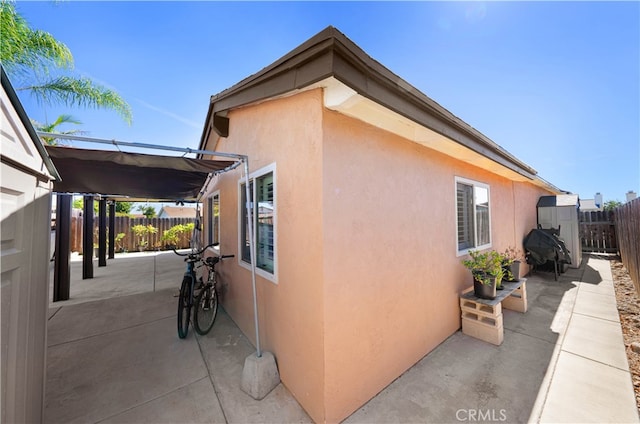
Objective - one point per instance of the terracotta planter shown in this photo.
(484, 291)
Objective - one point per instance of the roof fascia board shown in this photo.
(392, 92)
(331, 54)
(291, 76)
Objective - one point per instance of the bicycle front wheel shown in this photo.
(206, 309)
(184, 308)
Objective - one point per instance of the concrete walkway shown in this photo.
(563, 361)
(588, 379)
(118, 359)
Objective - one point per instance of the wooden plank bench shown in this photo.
(482, 318)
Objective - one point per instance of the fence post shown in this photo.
(627, 219)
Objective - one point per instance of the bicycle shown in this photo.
(205, 302)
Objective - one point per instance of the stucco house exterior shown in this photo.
(368, 196)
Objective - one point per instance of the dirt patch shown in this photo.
(629, 310)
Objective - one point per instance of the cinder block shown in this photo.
(489, 333)
(480, 308)
(517, 301)
(491, 321)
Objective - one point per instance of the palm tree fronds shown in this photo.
(24, 51)
(81, 92)
(52, 128)
(22, 47)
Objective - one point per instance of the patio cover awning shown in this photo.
(134, 176)
(131, 176)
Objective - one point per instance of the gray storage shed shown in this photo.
(26, 180)
(561, 211)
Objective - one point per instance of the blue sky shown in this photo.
(557, 84)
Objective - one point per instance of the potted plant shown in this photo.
(141, 231)
(486, 269)
(118, 241)
(511, 264)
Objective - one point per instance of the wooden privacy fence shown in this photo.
(129, 242)
(627, 219)
(598, 232)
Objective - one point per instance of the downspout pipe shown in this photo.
(252, 250)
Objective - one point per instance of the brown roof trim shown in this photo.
(331, 54)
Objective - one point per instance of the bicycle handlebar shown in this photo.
(198, 253)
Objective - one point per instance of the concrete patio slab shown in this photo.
(194, 403)
(462, 377)
(95, 378)
(119, 360)
(586, 391)
(224, 350)
(596, 305)
(597, 264)
(604, 288)
(597, 339)
(127, 273)
(550, 307)
(94, 318)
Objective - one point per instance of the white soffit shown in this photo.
(343, 99)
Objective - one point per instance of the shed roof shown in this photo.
(17, 106)
(559, 200)
(329, 58)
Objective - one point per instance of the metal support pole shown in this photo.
(112, 229)
(62, 274)
(142, 145)
(102, 232)
(252, 251)
(87, 238)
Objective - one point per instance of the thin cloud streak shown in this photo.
(179, 118)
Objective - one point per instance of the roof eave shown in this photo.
(331, 54)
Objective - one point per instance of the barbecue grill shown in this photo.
(545, 250)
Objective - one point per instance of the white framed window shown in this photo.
(262, 190)
(473, 215)
(213, 218)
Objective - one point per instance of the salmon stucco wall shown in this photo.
(285, 132)
(368, 275)
(392, 275)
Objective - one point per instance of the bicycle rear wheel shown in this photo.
(184, 308)
(206, 309)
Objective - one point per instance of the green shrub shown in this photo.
(143, 230)
(172, 235)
